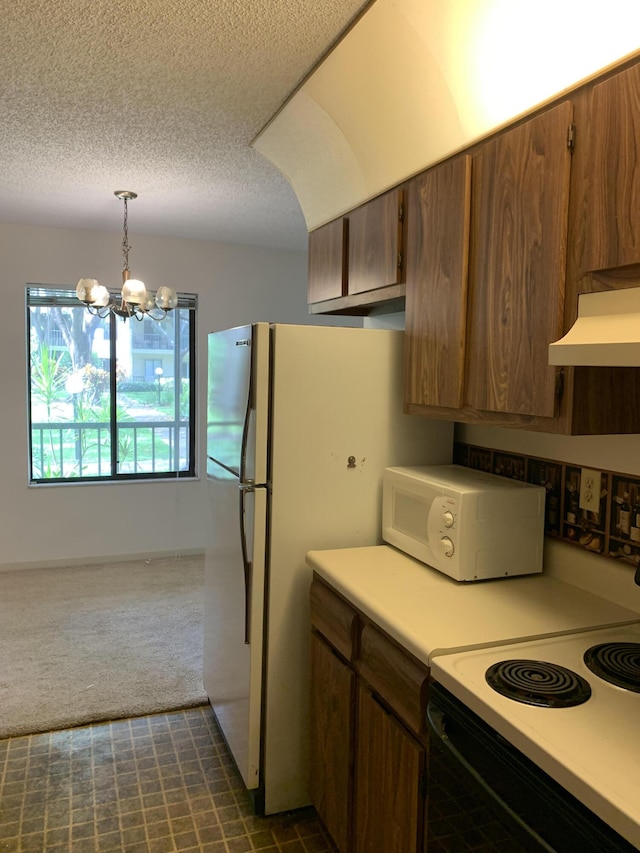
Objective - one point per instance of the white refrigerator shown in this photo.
(301, 422)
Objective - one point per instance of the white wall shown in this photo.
(87, 523)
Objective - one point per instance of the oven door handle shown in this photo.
(436, 724)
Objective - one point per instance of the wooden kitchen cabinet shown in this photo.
(368, 738)
(520, 205)
(357, 262)
(376, 232)
(389, 782)
(332, 704)
(437, 273)
(492, 248)
(486, 261)
(613, 173)
(328, 247)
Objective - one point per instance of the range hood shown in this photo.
(606, 332)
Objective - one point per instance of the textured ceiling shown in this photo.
(162, 97)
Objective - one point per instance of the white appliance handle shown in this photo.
(246, 563)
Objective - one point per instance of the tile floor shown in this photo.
(147, 785)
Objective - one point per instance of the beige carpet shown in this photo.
(99, 642)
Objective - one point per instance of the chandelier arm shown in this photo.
(157, 313)
(99, 312)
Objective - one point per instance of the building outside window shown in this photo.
(109, 399)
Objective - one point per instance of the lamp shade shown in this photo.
(133, 291)
(101, 296)
(85, 290)
(166, 298)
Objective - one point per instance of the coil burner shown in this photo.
(536, 682)
(617, 663)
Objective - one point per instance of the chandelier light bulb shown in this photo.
(101, 296)
(166, 298)
(85, 290)
(149, 302)
(133, 291)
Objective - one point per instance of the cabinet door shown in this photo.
(328, 261)
(332, 617)
(396, 677)
(389, 783)
(613, 175)
(375, 243)
(437, 266)
(331, 718)
(520, 192)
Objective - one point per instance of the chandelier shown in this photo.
(134, 301)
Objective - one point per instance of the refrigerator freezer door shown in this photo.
(238, 365)
(232, 666)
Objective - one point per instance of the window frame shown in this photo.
(49, 296)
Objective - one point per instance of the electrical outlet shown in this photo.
(590, 489)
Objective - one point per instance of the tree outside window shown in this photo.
(109, 399)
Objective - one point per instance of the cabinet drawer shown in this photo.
(333, 618)
(394, 676)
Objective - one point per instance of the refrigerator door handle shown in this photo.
(245, 426)
(246, 562)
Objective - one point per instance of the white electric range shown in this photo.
(592, 746)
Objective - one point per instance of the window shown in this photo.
(109, 399)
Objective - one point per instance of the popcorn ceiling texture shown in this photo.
(159, 96)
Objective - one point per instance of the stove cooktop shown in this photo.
(618, 663)
(591, 747)
(536, 682)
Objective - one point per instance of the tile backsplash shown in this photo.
(610, 525)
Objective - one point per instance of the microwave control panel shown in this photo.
(443, 525)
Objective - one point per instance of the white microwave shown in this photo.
(465, 523)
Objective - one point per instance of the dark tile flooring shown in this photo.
(146, 785)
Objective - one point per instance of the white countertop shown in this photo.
(429, 613)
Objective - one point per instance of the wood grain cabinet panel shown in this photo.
(368, 738)
(438, 206)
(332, 703)
(520, 201)
(376, 243)
(613, 209)
(389, 789)
(396, 677)
(333, 618)
(328, 246)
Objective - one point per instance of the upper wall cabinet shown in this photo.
(478, 350)
(376, 243)
(357, 261)
(613, 207)
(328, 247)
(436, 300)
(498, 242)
(520, 198)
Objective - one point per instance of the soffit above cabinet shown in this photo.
(417, 80)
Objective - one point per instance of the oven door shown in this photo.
(483, 790)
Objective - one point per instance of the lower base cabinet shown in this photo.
(389, 795)
(368, 742)
(332, 697)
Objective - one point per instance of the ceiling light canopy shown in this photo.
(134, 301)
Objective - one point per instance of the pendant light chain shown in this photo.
(125, 239)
